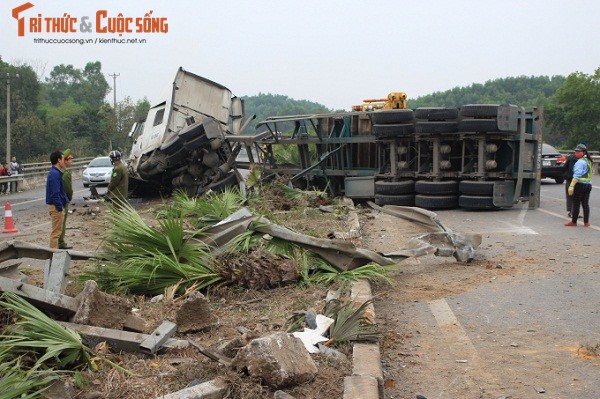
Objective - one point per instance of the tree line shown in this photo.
(69, 108)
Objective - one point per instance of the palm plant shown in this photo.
(206, 210)
(350, 323)
(325, 273)
(17, 382)
(141, 259)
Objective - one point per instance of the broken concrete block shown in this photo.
(158, 337)
(194, 314)
(214, 389)
(55, 272)
(99, 309)
(10, 269)
(279, 360)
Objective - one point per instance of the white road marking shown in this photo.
(459, 343)
(566, 218)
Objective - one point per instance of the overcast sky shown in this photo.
(332, 52)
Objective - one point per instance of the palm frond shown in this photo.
(17, 382)
(349, 324)
(327, 274)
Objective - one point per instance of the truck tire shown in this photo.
(394, 187)
(436, 127)
(474, 187)
(197, 142)
(227, 181)
(480, 125)
(178, 156)
(436, 201)
(480, 110)
(436, 187)
(436, 113)
(401, 200)
(477, 202)
(392, 116)
(192, 131)
(393, 130)
(172, 146)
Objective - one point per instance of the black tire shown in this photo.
(198, 142)
(479, 125)
(436, 187)
(171, 146)
(472, 187)
(436, 113)
(227, 181)
(477, 202)
(392, 116)
(394, 187)
(401, 200)
(436, 127)
(436, 201)
(86, 185)
(177, 156)
(393, 130)
(480, 110)
(192, 131)
(559, 180)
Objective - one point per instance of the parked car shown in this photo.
(98, 172)
(552, 163)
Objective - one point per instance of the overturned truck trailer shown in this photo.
(182, 143)
(481, 156)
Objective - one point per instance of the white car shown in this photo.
(98, 172)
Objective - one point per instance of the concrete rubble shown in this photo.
(194, 314)
(279, 360)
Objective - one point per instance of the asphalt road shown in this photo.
(521, 335)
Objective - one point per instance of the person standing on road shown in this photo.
(581, 186)
(15, 169)
(119, 181)
(56, 198)
(568, 175)
(68, 184)
(4, 171)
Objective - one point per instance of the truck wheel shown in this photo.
(480, 110)
(177, 156)
(477, 202)
(392, 116)
(436, 127)
(199, 141)
(171, 146)
(436, 187)
(436, 201)
(393, 130)
(192, 131)
(436, 113)
(479, 125)
(473, 187)
(227, 181)
(394, 187)
(402, 200)
(559, 180)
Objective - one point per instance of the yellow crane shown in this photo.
(394, 100)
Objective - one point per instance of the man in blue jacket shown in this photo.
(56, 197)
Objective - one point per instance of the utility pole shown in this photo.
(114, 76)
(8, 155)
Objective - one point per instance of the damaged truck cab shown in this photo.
(181, 145)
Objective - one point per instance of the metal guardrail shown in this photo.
(35, 173)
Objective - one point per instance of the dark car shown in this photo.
(552, 163)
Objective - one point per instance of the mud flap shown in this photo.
(504, 192)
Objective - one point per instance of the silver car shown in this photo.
(98, 172)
